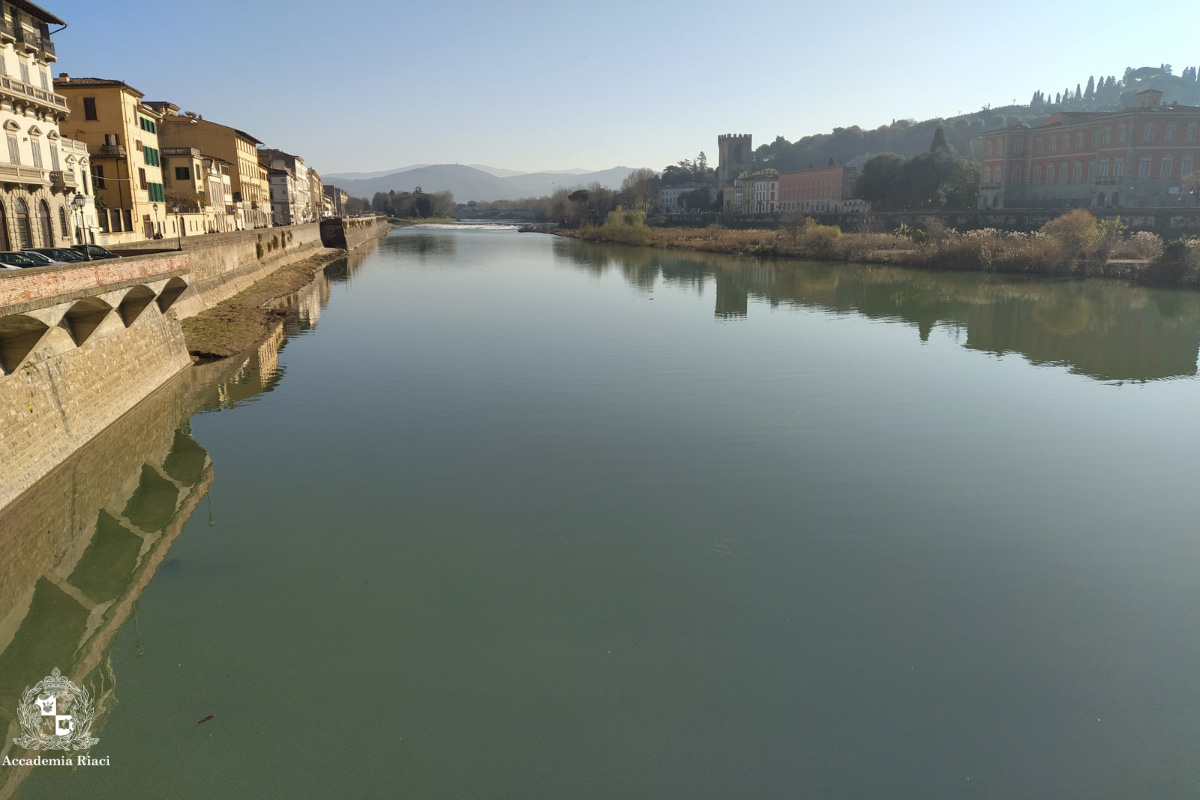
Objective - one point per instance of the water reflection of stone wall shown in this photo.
(83, 543)
(1103, 329)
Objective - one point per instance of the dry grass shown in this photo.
(1074, 244)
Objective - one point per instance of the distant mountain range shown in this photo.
(475, 182)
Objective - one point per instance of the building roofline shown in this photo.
(37, 11)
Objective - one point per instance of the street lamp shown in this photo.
(179, 222)
(78, 203)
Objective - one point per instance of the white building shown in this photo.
(41, 172)
(291, 188)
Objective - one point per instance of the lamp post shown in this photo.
(78, 203)
(178, 221)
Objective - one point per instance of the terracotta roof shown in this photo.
(67, 83)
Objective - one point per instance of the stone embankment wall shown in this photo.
(351, 232)
(223, 264)
(82, 345)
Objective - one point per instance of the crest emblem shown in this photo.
(56, 715)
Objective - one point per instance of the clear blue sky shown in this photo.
(366, 85)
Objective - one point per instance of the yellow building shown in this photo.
(251, 191)
(122, 139)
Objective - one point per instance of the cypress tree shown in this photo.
(939, 140)
(1090, 92)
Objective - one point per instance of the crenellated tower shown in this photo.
(735, 156)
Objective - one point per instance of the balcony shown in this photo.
(11, 173)
(21, 91)
(1107, 180)
(32, 40)
(63, 181)
(7, 34)
(109, 151)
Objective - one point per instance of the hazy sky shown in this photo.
(366, 85)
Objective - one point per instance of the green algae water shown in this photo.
(509, 515)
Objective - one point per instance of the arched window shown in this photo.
(4, 243)
(1066, 142)
(1053, 144)
(1185, 167)
(1168, 163)
(987, 147)
(1104, 167)
(1191, 132)
(1108, 134)
(1064, 172)
(62, 222)
(1037, 173)
(1038, 145)
(1077, 172)
(24, 234)
(1118, 166)
(1121, 132)
(47, 228)
(1049, 173)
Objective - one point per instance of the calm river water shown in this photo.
(524, 517)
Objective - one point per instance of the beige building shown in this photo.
(42, 172)
(291, 187)
(316, 194)
(251, 191)
(121, 134)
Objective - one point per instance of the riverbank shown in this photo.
(237, 324)
(1076, 244)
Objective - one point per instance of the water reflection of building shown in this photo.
(83, 543)
(1103, 329)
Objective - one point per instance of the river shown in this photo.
(509, 515)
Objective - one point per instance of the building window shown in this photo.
(1191, 132)
(1148, 133)
(89, 108)
(1168, 162)
(1185, 166)
(45, 81)
(1020, 146)
(14, 151)
(1079, 141)
(1104, 167)
(127, 213)
(1053, 144)
(1108, 134)
(1144, 167)
(36, 147)
(142, 178)
(1037, 173)
(1077, 173)
(46, 226)
(4, 72)
(54, 165)
(1119, 167)
(1000, 148)
(62, 222)
(150, 156)
(182, 174)
(148, 125)
(1121, 130)
(987, 147)
(1049, 173)
(1092, 169)
(102, 218)
(97, 176)
(24, 232)
(24, 72)
(1170, 137)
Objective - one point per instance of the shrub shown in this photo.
(1078, 233)
(1179, 263)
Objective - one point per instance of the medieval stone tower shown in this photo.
(735, 156)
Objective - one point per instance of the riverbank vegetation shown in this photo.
(1074, 244)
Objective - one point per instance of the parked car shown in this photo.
(14, 260)
(94, 250)
(63, 255)
(42, 260)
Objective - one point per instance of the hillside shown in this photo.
(854, 145)
(470, 183)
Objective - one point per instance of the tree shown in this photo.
(639, 190)
(1090, 92)
(697, 199)
(939, 141)
(879, 183)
